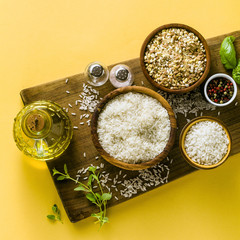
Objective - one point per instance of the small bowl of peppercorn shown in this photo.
(220, 90)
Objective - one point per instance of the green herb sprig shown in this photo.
(57, 214)
(100, 200)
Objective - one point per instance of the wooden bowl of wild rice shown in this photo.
(175, 58)
(205, 142)
(133, 128)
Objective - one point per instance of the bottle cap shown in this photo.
(96, 74)
(122, 74)
(96, 70)
(35, 122)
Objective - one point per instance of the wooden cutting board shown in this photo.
(122, 183)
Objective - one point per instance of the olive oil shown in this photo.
(42, 130)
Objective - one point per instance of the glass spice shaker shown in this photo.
(97, 74)
(42, 130)
(121, 76)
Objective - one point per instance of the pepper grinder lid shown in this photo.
(96, 70)
(121, 76)
(96, 73)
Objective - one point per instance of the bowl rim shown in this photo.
(188, 28)
(185, 131)
(223, 75)
(121, 164)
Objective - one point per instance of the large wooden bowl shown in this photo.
(116, 162)
(189, 29)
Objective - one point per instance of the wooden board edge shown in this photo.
(237, 32)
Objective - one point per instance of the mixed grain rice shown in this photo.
(175, 58)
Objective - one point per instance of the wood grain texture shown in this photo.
(115, 161)
(190, 29)
(76, 205)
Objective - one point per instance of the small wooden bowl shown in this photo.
(117, 162)
(157, 85)
(182, 140)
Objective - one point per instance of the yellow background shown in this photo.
(45, 40)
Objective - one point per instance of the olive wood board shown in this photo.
(75, 204)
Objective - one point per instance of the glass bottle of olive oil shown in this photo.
(42, 130)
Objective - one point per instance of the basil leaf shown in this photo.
(55, 208)
(52, 217)
(99, 196)
(80, 188)
(90, 180)
(106, 196)
(96, 215)
(105, 220)
(91, 197)
(65, 169)
(236, 73)
(228, 53)
(55, 171)
(95, 177)
(92, 169)
(61, 178)
(59, 218)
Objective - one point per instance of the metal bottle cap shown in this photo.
(35, 122)
(96, 70)
(122, 74)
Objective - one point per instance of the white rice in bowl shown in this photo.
(133, 127)
(206, 143)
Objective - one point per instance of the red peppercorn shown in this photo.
(220, 90)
